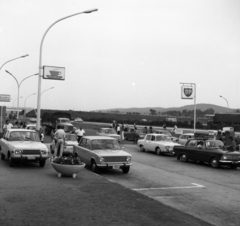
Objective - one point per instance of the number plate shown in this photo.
(116, 167)
(31, 157)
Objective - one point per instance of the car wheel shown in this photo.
(233, 166)
(158, 151)
(10, 160)
(2, 156)
(94, 167)
(183, 158)
(126, 169)
(42, 163)
(142, 148)
(214, 162)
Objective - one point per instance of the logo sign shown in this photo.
(55, 73)
(187, 92)
(4, 98)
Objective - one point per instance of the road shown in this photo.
(212, 195)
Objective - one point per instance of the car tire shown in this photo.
(10, 160)
(142, 148)
(233, 166)
(2, 156)
(42, 163)
(125, 170)
(214, 162)
(183, 158)
(158, 151)
(94, 167)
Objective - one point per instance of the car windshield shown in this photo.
(163, 138)
(24, 136)
(110, 131)
(105, 144)
(214, 144)
(65, 120)
(70, 137)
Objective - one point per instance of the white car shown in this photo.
(158, 143)
(78, 120)
(184, 138)
(23, 145)
(70, 141)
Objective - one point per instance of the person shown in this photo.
(164, 126)
(145, 130)
(174, 129)
(118, 129)
(150, 130)
(7, 126)
(135, 126)
(24, 126)
(80, 133)
(60, 136)
(232, 145)
(74, 130)
(136, 136)
(122, 131)
(237, 140)
(41, 135)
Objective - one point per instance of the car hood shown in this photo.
(66, 123)
(27, 145)
(171, 144)
(109, 152)
(71, 143)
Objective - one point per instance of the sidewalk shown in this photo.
(34, 196)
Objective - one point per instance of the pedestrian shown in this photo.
(135, 126)
(232, 144)
(24, 126)
(41, 135)
(80, 133)
(122, 131)
(60, 136)
(145, 130)
(136, 136)
(150, 130)
(7, 126)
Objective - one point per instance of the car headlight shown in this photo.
(101, 159)
(43, 152)
(18, 152)
(224, 157)
(129, 159)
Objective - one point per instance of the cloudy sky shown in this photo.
(130, 53)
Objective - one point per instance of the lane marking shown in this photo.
(194, 185)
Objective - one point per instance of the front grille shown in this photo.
(234, 157)
(115, 159)
(31, 152)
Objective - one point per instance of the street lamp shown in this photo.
(40, 63)
(19, 84)
(46, 90)
(13, 59)
(226, 101)
(26, 99)
(16, 99)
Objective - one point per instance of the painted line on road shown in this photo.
(165, 188)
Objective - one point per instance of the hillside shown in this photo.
(202, 107)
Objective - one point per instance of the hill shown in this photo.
(202, 107)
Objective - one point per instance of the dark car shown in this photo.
(208, 151)
(134, 135)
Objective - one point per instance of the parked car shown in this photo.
(134, 135)
(103, 152)
(158, 143)
(208, 151)
(78, 120)
(70, 141)
(22, 144)
(109, 132)
(31, 126)
(184, 138)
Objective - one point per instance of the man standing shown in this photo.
(60, 136)
(80, 133)
(7, 126)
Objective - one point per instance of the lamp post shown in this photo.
(46, 90)
(40, 62)
(27, 97)
(16, 99)
(13, 60)
(19, 84)
(226, 101)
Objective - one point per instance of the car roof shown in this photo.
(21, 129)
(99, 138)
(192, 134)
(157, 134)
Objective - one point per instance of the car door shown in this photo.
(147, 141)
(152, 143)
(4, 143)
(182, 139)
(191, 150)
(81, 150)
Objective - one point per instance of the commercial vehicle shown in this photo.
(52, 120)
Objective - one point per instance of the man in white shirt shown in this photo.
(7, 126)
(60, 136)
(80, 133)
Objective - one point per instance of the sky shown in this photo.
(130, 53)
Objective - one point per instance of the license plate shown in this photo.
(31, 157)
(116, 167)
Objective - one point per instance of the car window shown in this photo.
(88, 144)
(70, 137)
(24, 136)
(159, 138)
(148, 137)
(192, 143)
(153, 138)
(82, 142)
(105, 144)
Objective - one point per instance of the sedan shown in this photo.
(109, 132)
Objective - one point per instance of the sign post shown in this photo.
(188, 91)
(3, 98)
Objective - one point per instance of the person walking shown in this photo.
(80, 133)
(7, 126)
(41, 135)
(231, 146)
(60, 136)
(122, 131)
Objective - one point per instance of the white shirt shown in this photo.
(79, 132)
(8, 126)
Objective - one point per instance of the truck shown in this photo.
(50, 120)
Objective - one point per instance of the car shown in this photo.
(208, 151)
(103, 152)
(23, 145)
(109, 132)
(78, 120)
(163, 131)
(134, 135)
(184, 138)
(70, 141)
(158, 143)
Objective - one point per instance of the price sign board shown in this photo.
(4, 98)
(55, 73)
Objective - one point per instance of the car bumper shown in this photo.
(114, 165)
(229, 162)
(30, 158)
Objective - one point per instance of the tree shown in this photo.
(152, 112)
